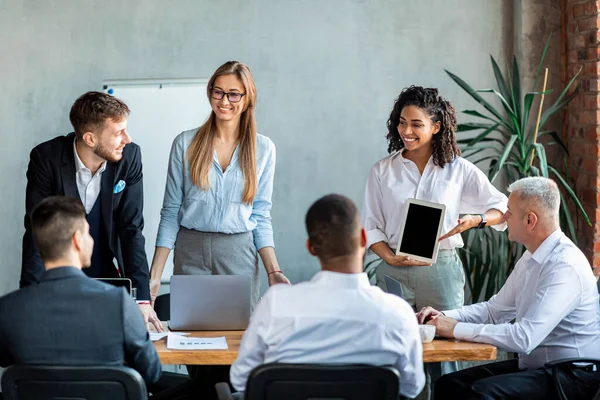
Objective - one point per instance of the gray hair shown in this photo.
(542, 192)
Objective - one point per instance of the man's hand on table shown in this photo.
(150, 317)
(444, 326)
(427, 313)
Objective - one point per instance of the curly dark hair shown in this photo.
(445, 148)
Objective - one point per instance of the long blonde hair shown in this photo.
(200, 152)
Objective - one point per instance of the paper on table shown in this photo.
(178, 342)
(154, 336)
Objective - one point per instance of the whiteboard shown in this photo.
(160, 110)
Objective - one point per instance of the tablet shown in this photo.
(420, 230)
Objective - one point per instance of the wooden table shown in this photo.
(438, 350)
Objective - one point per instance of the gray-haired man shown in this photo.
(551, 295)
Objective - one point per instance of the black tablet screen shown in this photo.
(420, 230)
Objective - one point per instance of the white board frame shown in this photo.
(154, 132)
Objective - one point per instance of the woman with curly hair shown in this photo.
(425, 164)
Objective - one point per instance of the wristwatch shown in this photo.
(483, 222)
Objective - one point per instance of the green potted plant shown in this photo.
(507, 142)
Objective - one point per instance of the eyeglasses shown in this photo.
(233, 97)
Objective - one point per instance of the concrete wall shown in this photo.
(327, 74)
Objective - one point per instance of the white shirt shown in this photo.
(333, 319)
(460, 185)
(552, 294)
(88, 186)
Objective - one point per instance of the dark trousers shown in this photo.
(504, 380)
(206, 376)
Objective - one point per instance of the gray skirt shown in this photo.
(440, 286)
(206, 253)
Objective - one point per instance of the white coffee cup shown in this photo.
(427, 333)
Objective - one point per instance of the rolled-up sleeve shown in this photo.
(372, 214)
(261, 207)
(173, 199)
(479, 196)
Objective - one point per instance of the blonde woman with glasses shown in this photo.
(216, 211)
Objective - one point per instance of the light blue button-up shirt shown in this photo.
(220, 208)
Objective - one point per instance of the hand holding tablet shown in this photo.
(405, 261)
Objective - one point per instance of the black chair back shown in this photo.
(566, 364)
(316, 382)
(162, 306)
(27, 382)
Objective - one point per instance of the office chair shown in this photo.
(162, 306)
(565, 364)
(36, 382)
(307, 381)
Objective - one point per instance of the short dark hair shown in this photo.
(54, 222)
(332, 223)
(91, 110)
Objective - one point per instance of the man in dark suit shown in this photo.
(99, 165)
(69, 318)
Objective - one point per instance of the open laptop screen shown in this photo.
(119, 282)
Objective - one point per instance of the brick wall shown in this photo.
(581, 38)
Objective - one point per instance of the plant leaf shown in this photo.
(483, 136)
(501, 82)
(562, 100)
(528, 103)
(502, 87)
(541, 155)
(556, 138)
(510, 111)
(567, 219)
(516, 88)
(507, 149)
(571, 194)
(467, 88)
(471, 126)
(539, 70)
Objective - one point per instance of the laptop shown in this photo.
(210, 302)
(393, 286)
(420, 229)
(119, 282)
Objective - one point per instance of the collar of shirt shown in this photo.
(339, 279)
(406, 160)
(79, 165)
(545, 249)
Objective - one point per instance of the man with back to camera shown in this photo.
(68, 318)
(99, 165)
(337, 317)
(552, 296)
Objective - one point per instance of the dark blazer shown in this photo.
(71, 319)
(51, 172)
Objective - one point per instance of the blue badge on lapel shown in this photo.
(119, 187)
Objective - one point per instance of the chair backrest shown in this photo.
(316, 381)
(32, 382)
(162, 307)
